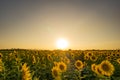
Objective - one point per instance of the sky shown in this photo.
(85, 24)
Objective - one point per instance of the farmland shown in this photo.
(26, 64)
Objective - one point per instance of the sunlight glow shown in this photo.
(62, 44)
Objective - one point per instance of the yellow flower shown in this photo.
(10, 56)
(55, 72)
(118, 55)
(108, 54)
(113, 54)
(86, 57)
(108, 58)
(79, 64)
(72, 55)
(14, 51)
(118, 60)
(93, 58)
(49, 57)
(26, 72)
(106, 67)
(65, 60)
(55, 64)
(1, 65)
(17, 60)
(89, 54)
(93, 67)
(15, 55)
(62, 66)
(98, 71)
(33, 59)
(1, 55)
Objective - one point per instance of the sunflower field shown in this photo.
(25, 64)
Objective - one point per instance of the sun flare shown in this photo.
(62, 43)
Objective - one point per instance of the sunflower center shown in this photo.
(78, 64)
(93, 57)
(61, 67)
(105, 67)
(55, 73)
(90, 54)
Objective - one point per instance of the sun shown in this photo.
(62, 43)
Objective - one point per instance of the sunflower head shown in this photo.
(93, 58)
(62, 66)
(106, 67)
(89, 54)
(55, 72)
(86, 57)
(17, 60)
(79, 64)
(1, 65)
(49, 57)
(118, 55)
(108, 58)
(65, 60)
(93, 67)
(118, 60)
(113, 54)
(72, 55)
(98, 71)
(26, 75)
(55, 64)
(1, 55)
(33, 59)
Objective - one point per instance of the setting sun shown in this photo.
(62, 43)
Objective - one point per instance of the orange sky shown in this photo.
(37, 25)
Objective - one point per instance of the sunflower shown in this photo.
(56, 73)
(10, 56)
(1, 55)
(66, 60)
(25, 72)
(1, 65)
(93, 58)
(118, 60)
(113, 54)
(79, 64)
(86, 57)
(17, 60)
(33, 59)
(98, 71)
(118, 55)
(108, 54)
(93, 67)
(55, 64)
(49, 57)
(72, 55)
(106, 67)
(14, 51)
(1, 68)
(62, 66)
(108, 58)
(89, 54)
(15, 56)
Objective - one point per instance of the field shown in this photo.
(23, 64)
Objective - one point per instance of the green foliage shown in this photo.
(41, 62)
